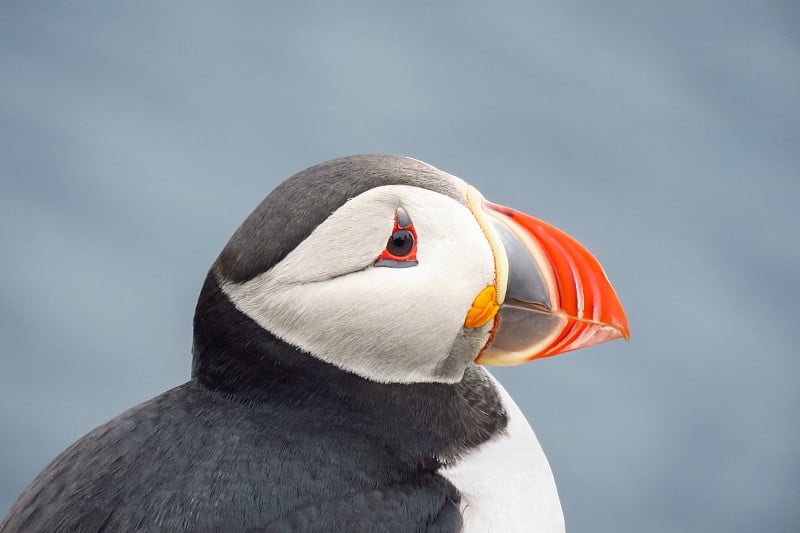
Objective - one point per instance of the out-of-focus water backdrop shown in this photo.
(136, 136)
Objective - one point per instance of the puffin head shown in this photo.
(390, 269)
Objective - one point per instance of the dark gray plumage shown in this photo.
(191, 460)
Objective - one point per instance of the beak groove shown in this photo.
(573, 305)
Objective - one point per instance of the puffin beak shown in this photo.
(553, 295)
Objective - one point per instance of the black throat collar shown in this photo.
(236, 357)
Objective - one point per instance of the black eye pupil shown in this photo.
(400, 243)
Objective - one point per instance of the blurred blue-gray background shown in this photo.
(136, 136)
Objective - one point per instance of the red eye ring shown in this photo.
(401, 248)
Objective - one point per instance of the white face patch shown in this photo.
(385, 324)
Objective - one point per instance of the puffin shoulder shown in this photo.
(165, 464)
(84, 485)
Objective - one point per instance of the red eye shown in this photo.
(401, 249)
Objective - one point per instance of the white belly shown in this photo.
(506, 485)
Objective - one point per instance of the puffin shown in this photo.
(338, 378)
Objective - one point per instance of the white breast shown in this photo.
(506, 485)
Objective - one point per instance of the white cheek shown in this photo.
(383, 334)
(386, 324)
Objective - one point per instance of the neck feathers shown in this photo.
(425, 421)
